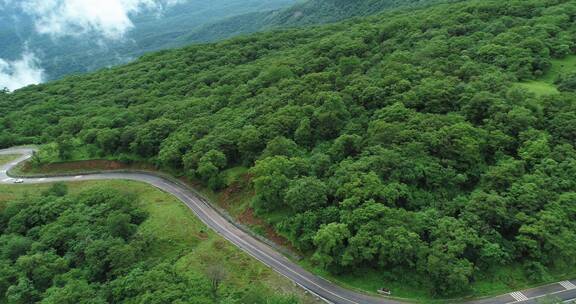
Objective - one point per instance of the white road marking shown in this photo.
(518, 296)
(41, 179)
(79, 176)
(568, 285)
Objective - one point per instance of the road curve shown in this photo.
(324, 289)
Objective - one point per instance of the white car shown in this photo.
(18, 181)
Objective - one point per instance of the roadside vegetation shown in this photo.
(103, 242)
(4, 159)
(394, 150)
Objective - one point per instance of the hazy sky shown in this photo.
(109, 19)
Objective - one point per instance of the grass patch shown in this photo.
(81, 166)
(512, 277)
(545, 85)
(276, 216)
(176, 233)
(4, 159)
(559, 67)
(234, 175)
(539, 88)
(369, 280)
(404, 284)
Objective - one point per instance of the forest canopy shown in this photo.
(97, 246)
(398, 142)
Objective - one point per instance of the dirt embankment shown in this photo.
(83, 166)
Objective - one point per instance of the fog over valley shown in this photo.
(108, 19)
(21, 72)
(44, 40)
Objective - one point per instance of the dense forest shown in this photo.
(89, 248)
(399, 142)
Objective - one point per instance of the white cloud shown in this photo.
(109, 18)
(20, 73)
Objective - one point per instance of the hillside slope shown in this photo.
(396, 145)
(153, 30)
(108, 242)
(179, 25)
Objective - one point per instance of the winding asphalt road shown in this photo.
(325, 290)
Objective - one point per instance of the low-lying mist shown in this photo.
(20, 73)
(105, 21)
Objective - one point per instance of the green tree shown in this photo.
(209, 167)
(120, 225)
(40, 268)
(271, 180)
(65, 147)
(346, 146)
(304, 135)
(75, 291)
(148, 138)
(57, 189)
(281, 146)
(251, 143)
(23, 292)
(331, 116)
(306, 193)
(331, 241)
(108, 140)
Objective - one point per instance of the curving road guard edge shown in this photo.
(325, 290)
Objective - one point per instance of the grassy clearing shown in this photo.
(539, 88)
(545, 85)
(7, 158)
(559, 67)
(178, 234)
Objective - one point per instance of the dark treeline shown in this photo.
(397, 142)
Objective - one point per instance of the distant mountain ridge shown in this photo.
(304, 13)
(71, 55)
(183, 24)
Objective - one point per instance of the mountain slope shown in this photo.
(307, 13)
(179, 25)
(152, 30)
(395, 150)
